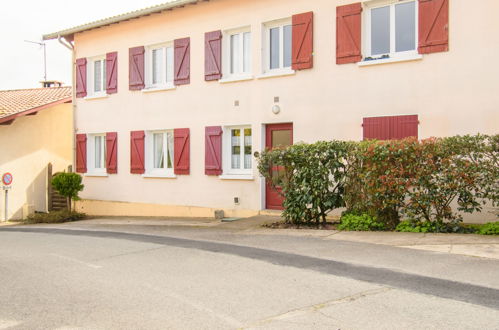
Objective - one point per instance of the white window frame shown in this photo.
(227, 55)
(92, 170)
(266, 47)
(150, 171)
(228, 171)
(366, 33)
(169, 66)
(91, 93)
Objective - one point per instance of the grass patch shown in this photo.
(55, 217)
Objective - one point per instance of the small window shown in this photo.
(159, 66)
(97, 76)
(238, 150)
(159, 153)
(277, 45)
(237, 53)
(96, 160)
(391, 28)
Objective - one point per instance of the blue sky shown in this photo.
(21, 63)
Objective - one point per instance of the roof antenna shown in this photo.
(42, 44)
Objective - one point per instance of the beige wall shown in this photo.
(28, 145)
(453, 93)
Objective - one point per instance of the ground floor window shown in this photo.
(96, 149)
(159, 153)
(238, 148)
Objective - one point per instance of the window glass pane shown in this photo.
(274, 48)
(103, 75)
(234, 53)
(158, 150)
(97, 76)
(281, 138)
(98, 151)
(236, 149)
(157, 66)
(169, 162)
(247, 148)
(247, 51)
(287, 45)
(169, 64)
(380, 31)
(405, 26)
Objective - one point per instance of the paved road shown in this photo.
(133, 277)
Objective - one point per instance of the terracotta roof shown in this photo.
(172, 4)
(20, 102)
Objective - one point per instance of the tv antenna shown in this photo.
(42, 44)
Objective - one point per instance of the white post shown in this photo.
(6, 217)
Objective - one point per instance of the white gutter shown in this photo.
(70, 46)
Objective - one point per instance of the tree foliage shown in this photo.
(68, 185)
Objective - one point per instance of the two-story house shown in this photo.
(172, 101)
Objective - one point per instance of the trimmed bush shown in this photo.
(55, 217)
(68, 185)
(491, 228)
(362, 222)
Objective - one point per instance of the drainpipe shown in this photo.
(70, 46)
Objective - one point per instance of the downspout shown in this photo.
(70, 46)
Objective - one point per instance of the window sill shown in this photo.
(248, 177)
(159, 89)
(159, 176)
(232, 79)
(277, 73)
(413, 57)
(96, 97)
(95, 174)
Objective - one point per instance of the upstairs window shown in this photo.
(237, 45)
(97, 76)
(278, 45)
(391, 28)
(159, 66)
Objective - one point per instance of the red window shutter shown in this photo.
(181, 150)
(213, 150)
(182, 61)
(112, 153)
(390, 127)
(212, 55)
(303, 41)
(81, 77)
(433, 26)
(348, 33)
(136, 68)
(81, 153)
(402, 127)
(112, 73)
(376, 128)
(137, 165)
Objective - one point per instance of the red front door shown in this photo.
(277, 135)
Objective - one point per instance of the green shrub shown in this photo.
(68, 185)
(55, 217)
(311, 177)
(362, 222)
(491, 228)
(417, 226)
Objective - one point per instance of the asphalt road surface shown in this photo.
(202, 278)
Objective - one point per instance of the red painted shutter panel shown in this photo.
(303, 41)
(182, 61)
(81, 153)
(348, 33)
(112, 152)
(402, 127)
(433, 26)
(81, 77)
(376, 128)
(137, 165)
(136, 68)
(112, 73)
(213, 150)
(181, 150)
(212, 55)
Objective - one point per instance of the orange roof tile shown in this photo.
(14, 102)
